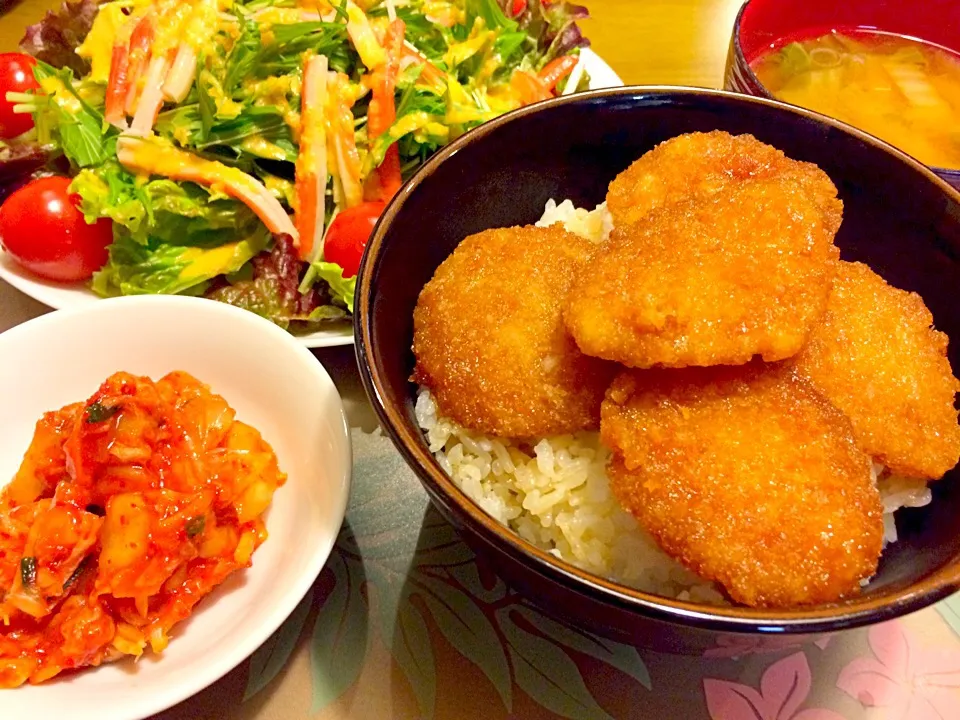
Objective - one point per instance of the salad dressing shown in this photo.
(98, 45)
(261, 147)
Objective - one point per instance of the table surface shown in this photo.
(392, 652)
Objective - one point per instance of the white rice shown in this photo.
(593, 224)
(556, 494)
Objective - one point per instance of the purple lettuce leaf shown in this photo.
(21, 162)
(56, 38)
(553, 24)
(273, 289)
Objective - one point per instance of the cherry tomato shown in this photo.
(518, 7)
(348, 235)
(16, 75)
(42, 229)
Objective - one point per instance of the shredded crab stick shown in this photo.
(117, 85)
(151, 97)
(312, 161)
(151, 157)
(140, 41)
(180, 77)
(201, 23)
(383, 112)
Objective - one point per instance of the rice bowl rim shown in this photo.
(406, 435)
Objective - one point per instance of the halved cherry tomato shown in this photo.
(348, 235)
(42, 229)
(16, 75)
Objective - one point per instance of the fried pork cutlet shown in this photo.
(877, 358)
(697, 165)
(747, 476)
(708, 281)
(489, 339)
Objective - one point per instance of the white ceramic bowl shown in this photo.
(273, 383)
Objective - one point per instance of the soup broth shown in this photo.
(902, 90)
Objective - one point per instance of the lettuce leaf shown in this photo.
(272, 291)
(552, 28)
(341, 288)
(168, 237)
(161, 210)
(55, 39)
(63, 116)
(158, 267)
(492, 14)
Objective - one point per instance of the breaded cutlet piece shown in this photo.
(748, 477)
(489, 339)
(876, 356)
(701, 164)
(708, 281)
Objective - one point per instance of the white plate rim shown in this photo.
(61, 296)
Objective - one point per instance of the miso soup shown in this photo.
(902, 90)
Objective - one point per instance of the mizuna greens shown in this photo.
(223, 138)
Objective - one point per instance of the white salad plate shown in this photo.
(71, 295)
(274, 384)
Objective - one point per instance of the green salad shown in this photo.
(243, 151)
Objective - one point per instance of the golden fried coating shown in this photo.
(877, 358)
(489, 339)
(701, 164)
(748, 477)
(708, 281)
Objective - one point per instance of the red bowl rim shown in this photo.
(741, 59)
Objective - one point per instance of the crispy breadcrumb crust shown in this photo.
(876, 356)
(490, 342)
(748, 477)
(707, 281)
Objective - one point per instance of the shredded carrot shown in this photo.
(383, 112)
(311, 167)
(430, 75)
(528, 87)
(556, 70)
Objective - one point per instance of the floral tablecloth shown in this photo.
(406, 622)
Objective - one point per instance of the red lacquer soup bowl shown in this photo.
(765, 25)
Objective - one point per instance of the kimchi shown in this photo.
(127, 510)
